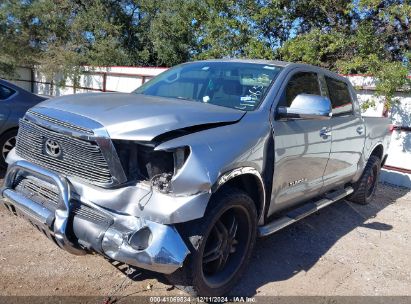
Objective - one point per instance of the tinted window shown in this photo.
(227, 84)
(300, 83)
(5, 92)
(339, 96)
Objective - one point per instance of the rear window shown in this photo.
(340, 96)
(5, 92)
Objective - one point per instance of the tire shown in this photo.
(214, 267)
(7, 142)
(364, 188)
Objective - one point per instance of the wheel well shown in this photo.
(378, 151)
(250, 184)
(8, 130)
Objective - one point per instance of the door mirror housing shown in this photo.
(307, 106)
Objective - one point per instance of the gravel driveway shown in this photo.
(344, 249)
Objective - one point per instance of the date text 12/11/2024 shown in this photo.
(202, 299)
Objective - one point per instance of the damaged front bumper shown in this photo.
(50, 203)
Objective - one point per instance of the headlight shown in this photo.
(141, 162)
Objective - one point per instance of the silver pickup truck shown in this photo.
(182, 175)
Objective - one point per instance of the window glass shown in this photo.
(227, 84)
(339, 96)
(5, 92)
(300, 83)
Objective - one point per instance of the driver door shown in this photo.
(302, 147)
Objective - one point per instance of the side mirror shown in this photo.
(307, 106)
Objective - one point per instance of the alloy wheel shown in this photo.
(8, 146)
(226, 246)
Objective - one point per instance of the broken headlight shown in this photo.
(141, 162)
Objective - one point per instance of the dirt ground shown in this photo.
(344, 249)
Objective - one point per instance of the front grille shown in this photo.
(38, 191)
(78, 158)
(47, 195)
(89, 213)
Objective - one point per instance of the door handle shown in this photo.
(325, 132)
(360, 130)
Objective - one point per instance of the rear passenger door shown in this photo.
(347, 140)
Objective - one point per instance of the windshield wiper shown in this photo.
(186, 98)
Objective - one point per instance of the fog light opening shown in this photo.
(141, 239)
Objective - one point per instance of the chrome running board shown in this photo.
(303, 211)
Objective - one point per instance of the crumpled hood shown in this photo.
(141, 117)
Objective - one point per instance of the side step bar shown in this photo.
(303, 211)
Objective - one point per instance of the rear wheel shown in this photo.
(364, 188)
(221, 245)
(7, 143)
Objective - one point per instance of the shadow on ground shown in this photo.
(298, 247)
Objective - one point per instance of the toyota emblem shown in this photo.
(53, 148)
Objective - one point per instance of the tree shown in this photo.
(371, 37)
(358, 36)
(58, 37)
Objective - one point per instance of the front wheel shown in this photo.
(221, 245)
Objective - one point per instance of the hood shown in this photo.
(141, 117)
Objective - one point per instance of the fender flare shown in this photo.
(380, 143)
(227, 176)
(364, 159)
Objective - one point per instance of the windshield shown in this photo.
(227, 84)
